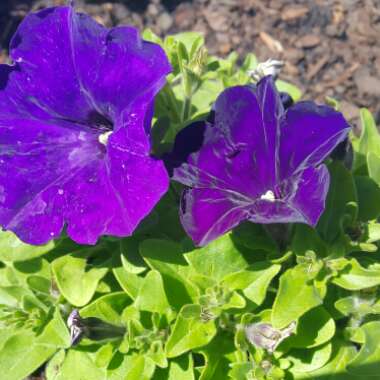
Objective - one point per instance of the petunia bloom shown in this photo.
(75, 113)
(255, 161)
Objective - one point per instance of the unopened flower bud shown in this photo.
(76, 327)
(91, 328)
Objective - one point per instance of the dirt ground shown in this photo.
(330, 47)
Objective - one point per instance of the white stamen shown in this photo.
(268, 196)
(103, 138)
(269, 67)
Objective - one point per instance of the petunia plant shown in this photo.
(171, 215)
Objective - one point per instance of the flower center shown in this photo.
(102, 124)
(99, 121)
(268, 196)
(103, 138)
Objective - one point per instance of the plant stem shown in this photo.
(172, 102)
(186, 109)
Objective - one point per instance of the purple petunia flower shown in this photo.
(255, 161)
(75, 113)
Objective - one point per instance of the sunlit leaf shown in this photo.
(296, 295)
(76, 281)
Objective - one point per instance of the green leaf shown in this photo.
(104, 355)
(367, 361)
(355, 277)
(369, 198)
(167, 258)
(373, 232)
(254, 281)
(335, 369)
(157, 354)
(169, 225)
(109, 308)
(206, 95)
(13, 295)
(131, 367)
(149, 35)
(75, 280)
(349, 305)
(39, 284)
(203, 282)
(160, 129)
(152, 296)
(188, 39)
(188, 333)
(5, 334)
(22, 270)
(53, 367)
(181, 369)
(254, 236)
(296, 295)
(78, 365)
(130, 256)
(130, 282)
(369, 141)
(332, 102)
(309, 360)
(240, 371)
(21, 355)
(235, 301)
(292, 90)
(341, 192)
(119, 366)
(141, 369)
(216, 357)
(358, 305)
(307, 239)
(31, 303)
(182, 52)
(217, 259)
(373, 163)
(13, 249)
(249, 63)
(55, 333)
(314, 328)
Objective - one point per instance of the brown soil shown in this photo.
(331, 47)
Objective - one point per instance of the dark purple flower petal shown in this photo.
(209, 213)
(233, 155)
(74, 111)
(302, 199)
(258, 162)
(109, 61)
(314, 130)
(310, 196)
(187, 141)
(286, 100)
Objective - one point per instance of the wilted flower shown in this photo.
(256, 161)
(75, 113)
(269, 67)
(264, 335)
